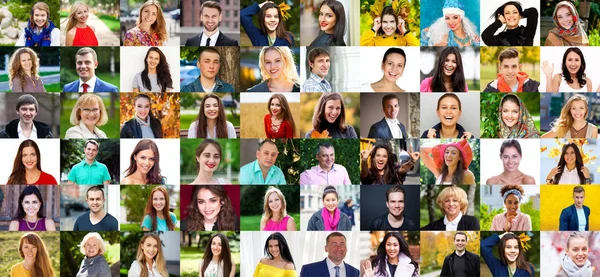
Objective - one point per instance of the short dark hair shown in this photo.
(315, 52)
(461, 233)
(388, 97)
(265, 141)
(511, 143)
(324, 144)
(508, 53)
(578, 189)
(94, 188)
(393, 189)
(334, 234)
(27, 99)
(92, 142)
(210, 4)
(209, 49)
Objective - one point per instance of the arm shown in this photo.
(70, 37)
(428, 160)
(486, 251)
(246, 22)
(14, 226)
(291, 224)
(266, 124)
(411, 40)
(589, 85)
(233, 269)
(532, 21)
(563, 224)
(50, 225)
(55, 37)
(21, 40)
(469, 178)
(289, 132)
(16, 85)
(488, 34)
(446, 267)
(367, 38)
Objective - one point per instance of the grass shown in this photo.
(190, 258)
(186, 119)
(253, 118)
(10, 254)
(252, 222)
(112, 22)
(112, 128)
(489, 72)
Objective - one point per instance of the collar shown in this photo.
(455, 221)
(84, 162)
(570, 171)
(33, 129)
(257, 167)
(330, 264)
(87, 132)
(392, 120)
(321, 170)
(316, 78)
(213, 37)
(91, 82)
(464, 252)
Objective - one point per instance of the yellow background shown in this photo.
(554, 198)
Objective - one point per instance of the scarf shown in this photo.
(329, 223)
(503, 86)
(33, 38)
(524, 128)
(573, 35)
(573, 270)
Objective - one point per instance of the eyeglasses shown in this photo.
(87, 110)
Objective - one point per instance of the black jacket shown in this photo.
(530, 85)
(132, 129)
(222, 40)
(472, 264)
(10, 131)
(466, 223)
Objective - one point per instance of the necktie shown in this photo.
(207, 42)
(337, 271)
(85, 87)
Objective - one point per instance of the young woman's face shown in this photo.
(149, 14)
(158, 201)
(274, 63)
(145, 160)
(392, 247)
(209, 159)
(449, 111)
(512, 16)
(273, 246)
(381, 158)
(389, 24)
(90, 114)
(82, 13)
(512, 204)
(333, 109)
(578, 251)
(393, 67)
(327, 19)
(511, 250)
(510, 113)
(564, 16)
(451, 206)
(142, 108)
(451, 156)
(208, 204)
(26, 62)
(215, 246)
(274, 202)
(29, 251)
(578, 110)
(40, 17)
(331, 202)
(153, 59)
(29, 157)
(150, 248)
(511, 159)
(31, 205)
(275, 107)
(450, 65)
(454, 21)
(211, 108)
(271, 19)
(570, 156)
(92, 247)
(573, 62)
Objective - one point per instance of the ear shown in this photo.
(95, 64)
(220, 17)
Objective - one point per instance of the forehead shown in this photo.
(323, 56)
(30, 197)
(572, 55)
(82, 8)
(205, 193)
(512, 242)
(335, 102)
(451, 148)
(210, 149)
(146, 152)
(510, 61)
(273, 195)
(209, 55)
(451, 56)
(511, 8)
(272, 54)
(91, 146)
(326, 150)
(510, 104)
(448, 101)
(388, 17)
(392, 101)
(27, 106)
(268, 147)
(579, 193)
(271, 11)
(25, 55)
(92, 240)
(336, 239)
(216, 239)
(153, 54)
(151, 8)
(95, 194)
(150, 240)
(158, 193)
(460, 237)
(211, 101)
(510, 150)
(86, 57)
(392, 239)
(563, 9)
(38, 11)
(395, 57)
(28, 149)
(210, 11)
(396, 196)
(273, 242)
(381, 151)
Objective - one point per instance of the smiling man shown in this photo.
(510, 77)
(86, 63)
(97, 219)
(263, 170)
(461, 263)
(209, 63)
(327, 172)
(89, 171)
(333, 265)
(210, 16)
(394, 220)
(389, 127)
(575, 217)
(25, 126)
(319, 63)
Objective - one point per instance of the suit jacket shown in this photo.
(222, 40)
(81, 131)
(319, 269)
(569, 220)
(100, 86)
(381, 130)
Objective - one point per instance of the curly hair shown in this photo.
(506, 188)
(15, 70)
(163, 74)
(226, 219)
(453, 191)
(159, 26)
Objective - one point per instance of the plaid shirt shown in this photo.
(316, 84)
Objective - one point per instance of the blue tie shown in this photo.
(337, 271)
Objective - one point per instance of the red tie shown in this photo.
(85, 87)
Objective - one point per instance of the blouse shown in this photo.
(137, 37)
(213, 269)
(285, 129)
(161, 224)
(136, 270)
(45, 179)
(264, 270)
(230, 130)
(19, 270)
(40, 225)
(277, 226)
(522, 222)
(85, 37)
(30, 85)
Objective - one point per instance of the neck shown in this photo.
(99, 214)
(204, 177)
(209, 33)
(85, 80)
(28, 72)
(27, 126)
(272, 34)
(574, 76)
(215, 259)
(276, 216)
(151, 70)
(150, 262)
(393, 218)
(32, 172)
(30, 218)
(393, 260)
(331, 213)
(512, 27)
(264, 169)
(211, 123)
(160, 214)
(145, 27)
(139, 175)
(451, 217)
(448, 131)
(579, 123)
(88, 161)
(321, 77)
(211, 221)
(460, 252)
(512, 265)
(460, 33)
(451, 170)
(324, 168)
(80, 25)
(28, 264)
(447, 79)
(276, 81)
(387, 85)
(570, 166)
(206, 82)
(511, 174)
(512, 82)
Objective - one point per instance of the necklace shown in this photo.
(463, 41)
(577, 131)
(34, 226)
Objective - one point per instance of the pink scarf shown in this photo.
(329, 223)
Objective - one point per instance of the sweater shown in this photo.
(466, 223)
(471, 266)
(94, 267)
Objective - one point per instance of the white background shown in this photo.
(50, 157)
(132, 62)
(169, 157)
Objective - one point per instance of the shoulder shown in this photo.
(261, 87)
(72, 31)
(289, 266)
(264, 261)
(173, 216)
(527, 179)
(492, 180)
(135, 266)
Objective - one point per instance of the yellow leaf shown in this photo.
(543, 148)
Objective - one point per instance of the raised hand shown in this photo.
(364, 154)
(431, 133)
(548, 70)
(263, 3)
(376, 24)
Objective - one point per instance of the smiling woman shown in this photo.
(144, 124)
(87, 114)
(278, 70)
(150, 29)
(157, 216)
(568, 30)
(27, 168)
(78, 32)
(329, 118)
(272, 30)
(36, 261)
(392, 66)
(30, 212)
(150, 260)
(40, 30)
(144, 165)
(210, 209)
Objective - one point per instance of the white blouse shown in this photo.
(136, 270)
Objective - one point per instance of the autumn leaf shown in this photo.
(284, 8)
(543, 148)
(324, 134)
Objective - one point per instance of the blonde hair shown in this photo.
(562, 124)
(289, 68)
(16, 71)
(268, 214)
(453, 191)
(159, 26)
(42, 266)
(87, 100)
(71, 20)
(92, 235)
(161, 263)
(43, 7)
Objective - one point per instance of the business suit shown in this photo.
(381, 130)
(222, 40)
(100, 86)
(319, 269)
(569, 220)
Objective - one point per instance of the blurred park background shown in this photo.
(589, 13)
(436, 246)
(531, 254)
(292, 22)
(111, 103)
(492, 204)
(103, 16)
(529, 57)
(250, 69)
(427, 176)
(229, 65)
(490, 105)
(164, 107)
(193, 245)
(190, 107)
(311, 100)
(10, 250)
(430, 211)
(130, 242)
(71, 256)
(229, 167)
(49, 68)
(133, 200)
(108, 69)
(72, 152)
(252, 211)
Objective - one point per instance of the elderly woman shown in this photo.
(94, 264)
(453, 203)
(89, 113)
(513, 219)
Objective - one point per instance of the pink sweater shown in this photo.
(522, 222)
(426, 85)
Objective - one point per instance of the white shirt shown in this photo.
(569, 177)
(394, 125)
(91, 82)
(331, 267)
(20, 131)
(452, 225)
(581, 219)
(213, 39)
(136, 270)
(230, 130)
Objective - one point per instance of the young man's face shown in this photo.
(578, 198)
(509, 69)
(91, 150)
(95, 200)
(395, 203)
(210, 19)
(209, 64)
(321, 65)
(86, 66)
(460, 241)
(27, 113)
(391, 108)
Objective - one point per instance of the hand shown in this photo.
(415, 156)
(501, 18)
(401, 25)
(548, 70)
(263, 3)
(467, 135)
(431, 133)
(368, 269)
(364, 154)
(426, 30)
(586, 172)
(476, 39)
(509, 218)
(376, 24)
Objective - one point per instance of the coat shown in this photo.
(320, 269)
(132, 129)
(100, 86)
(10, 131)
(381, 130)
(222, 40)
(569, 220)
(472, 265)
(315, 223)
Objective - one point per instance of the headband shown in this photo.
(512, 191)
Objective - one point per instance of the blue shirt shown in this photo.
(314, 83)
(250, 174)
(161, 224)
(86, 174)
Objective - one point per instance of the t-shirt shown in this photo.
(19, 270)
(161, 224)
(581, 219)
(108, 223)
(137, 83)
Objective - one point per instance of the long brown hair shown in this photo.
(224, 258)
(151, 211)
(159, 26)
(16, 71)
(226, 219)
(280, 31)
(203, 146)
(521, 262)
(221, 119)
(153, 176)
(319, 114)
(562, 163)
(285, 109)
(159, 259)
(17, 177)
(42, 266)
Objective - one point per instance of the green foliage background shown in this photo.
(532, 255)
(424, 206)
(347, 153)
(9, 253)
(413, 21)
(71, 257)
(428, 178)
(251, 211)
(72, 153)
(188, 158)
(291, 25)
(135, 199)
(487, 215)
(490, 102)
(104, 70)
(193, 253)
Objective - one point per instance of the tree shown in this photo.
(165, 107)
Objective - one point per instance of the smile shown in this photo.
(210, 165)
